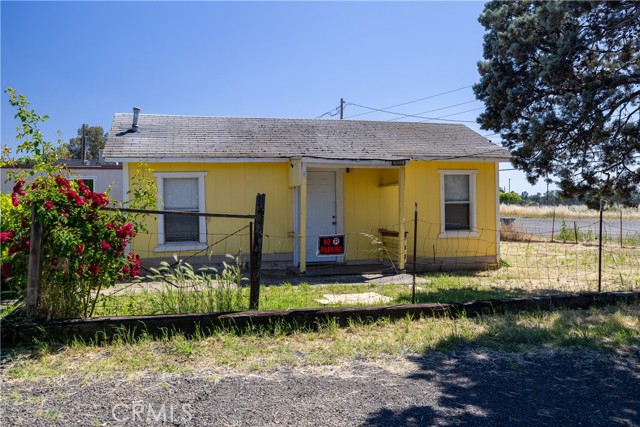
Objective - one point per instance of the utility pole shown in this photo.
(341, 108)
(547, 197)
(509, 185)
(83, 155)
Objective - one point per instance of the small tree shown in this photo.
(95, 141)
(510, 198)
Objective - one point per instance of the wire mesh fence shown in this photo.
(533, 257)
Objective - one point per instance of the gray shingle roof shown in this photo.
(162, 137)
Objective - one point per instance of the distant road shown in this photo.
(611, 227)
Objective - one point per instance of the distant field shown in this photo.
(562, 211)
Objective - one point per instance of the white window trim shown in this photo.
(181, 246)
(473, 231)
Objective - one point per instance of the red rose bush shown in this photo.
(84, 247)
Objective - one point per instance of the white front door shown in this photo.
(321, 211)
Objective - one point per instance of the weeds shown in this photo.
(607, 329)
(177, 288)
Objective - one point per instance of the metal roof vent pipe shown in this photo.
(136, 113)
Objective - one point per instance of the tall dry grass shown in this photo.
(564, 211)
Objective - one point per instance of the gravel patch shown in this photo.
(467, 387)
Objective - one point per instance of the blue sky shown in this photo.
(81, 62)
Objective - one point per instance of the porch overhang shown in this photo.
(298, 181)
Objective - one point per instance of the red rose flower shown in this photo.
(54, 262)
(124, 231)
(48, 205)
(80, 248)
(83, 188)
(62, 182)
(105, 246)
(18, 186)
(14, 200)
(6, 237)
(94, 269)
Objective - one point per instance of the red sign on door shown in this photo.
(331, 245)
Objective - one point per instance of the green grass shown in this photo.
(526, 269)
(608, 329)
(443, 288)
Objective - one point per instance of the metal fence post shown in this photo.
(620, 227)
(415, 242)
(600, 252)
(256, 253)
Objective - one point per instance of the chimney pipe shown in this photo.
(136, 112)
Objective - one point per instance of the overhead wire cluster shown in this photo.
(420, 115)
(331, 113)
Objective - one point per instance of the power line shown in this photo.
(455, 114)
(411, 102)
(438, 109)
(407, 115)
(331, 113)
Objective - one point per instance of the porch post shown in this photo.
(303, 221)
(402, 241)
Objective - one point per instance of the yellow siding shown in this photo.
(370, 202)
(368, 206)
(423, 186)
(232, 188)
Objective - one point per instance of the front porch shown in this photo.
(364, 201)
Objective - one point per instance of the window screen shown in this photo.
(457, 202)
(181, 194)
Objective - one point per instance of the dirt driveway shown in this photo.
(467, 387)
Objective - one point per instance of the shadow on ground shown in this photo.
(461, 294)
(480, 383)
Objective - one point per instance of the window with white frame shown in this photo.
(182, 192)
(458, 213)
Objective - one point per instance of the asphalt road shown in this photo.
(611, 227)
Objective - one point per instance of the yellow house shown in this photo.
(355, 183)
